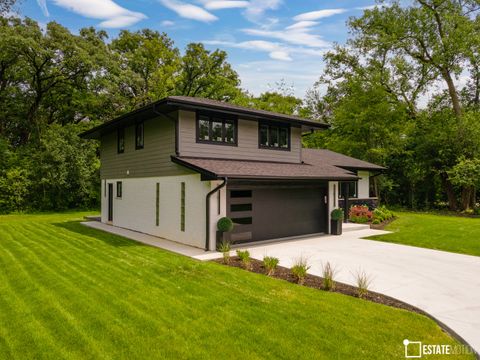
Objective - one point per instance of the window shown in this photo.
(240, 207)
(240, 193)
(157, 205)
(182, 208)
(119, 189)
(120, 141)
(351, 187)
(139, 135)
(274, 136)
(216, 130)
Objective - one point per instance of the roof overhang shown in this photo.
(168, 105)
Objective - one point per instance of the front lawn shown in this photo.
(71, 292)
(440, 232)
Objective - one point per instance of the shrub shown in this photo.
(270, 263)
(299, 269)
(225, 224)
(360, 214)
(382, 214)
(363, 283)
(376, 221)
(329, 273)
(244, 256)
(224, 248)
(337, 214)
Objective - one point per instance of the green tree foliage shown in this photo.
(398, 56)
(54, 84)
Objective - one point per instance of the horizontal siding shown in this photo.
(247, 143)
(152, 160)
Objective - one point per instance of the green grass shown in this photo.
(70, 292)
(440, 232)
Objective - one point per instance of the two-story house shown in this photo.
(173, 168)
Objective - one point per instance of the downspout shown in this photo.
(209, 195)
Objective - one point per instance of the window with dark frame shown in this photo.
(119, 189)
(352, 189)
(274, 136)
(214, 129)
(139, 135)
(121, 140)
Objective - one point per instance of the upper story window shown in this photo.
(139, 136)
(121, 140)
(274, 136)
(214, 129)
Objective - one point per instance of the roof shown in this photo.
(317, 164)
(172, 103)
(250, 169)
(316, 156)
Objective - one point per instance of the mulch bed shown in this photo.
(316, 282)
(382, 225)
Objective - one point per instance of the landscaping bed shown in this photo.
(316, 282)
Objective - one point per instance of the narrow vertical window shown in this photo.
(182, 208)
(121, 141)
(157, 205)
(104, 188)
(139, 136)
(219, 202)
(119, 189)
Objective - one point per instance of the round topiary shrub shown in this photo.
(337, 214)
(225, 224)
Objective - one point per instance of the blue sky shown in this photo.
(267, 40)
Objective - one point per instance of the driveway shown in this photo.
(445, 285)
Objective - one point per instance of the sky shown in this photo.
(267, 41)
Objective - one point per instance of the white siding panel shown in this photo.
(363, 185)
(137, 208)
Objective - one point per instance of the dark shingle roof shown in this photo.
(249, 169)
(316, 156)
(317, 164)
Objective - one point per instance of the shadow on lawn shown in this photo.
(107, 238)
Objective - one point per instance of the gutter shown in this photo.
(209, 195)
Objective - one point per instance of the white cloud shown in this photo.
(43, 7)
(189, 11)
(167, 23)
(302, 25)
(257, 8)
(114, 15)
(320, 14)
(299, 36)
(218, 5)
(276, 51)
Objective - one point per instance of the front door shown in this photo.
(110, 202)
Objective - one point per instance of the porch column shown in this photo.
(333, 191)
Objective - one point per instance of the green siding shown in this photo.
(152, 160)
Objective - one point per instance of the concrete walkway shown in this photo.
(148, 239)
(446, 285)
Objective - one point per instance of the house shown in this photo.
(173, 168)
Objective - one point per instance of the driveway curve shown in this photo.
(446, 285)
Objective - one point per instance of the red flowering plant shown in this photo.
(360, 214)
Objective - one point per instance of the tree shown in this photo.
(207, 74)
(148, 65)
(7, 5)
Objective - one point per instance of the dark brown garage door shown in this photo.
(262, 213)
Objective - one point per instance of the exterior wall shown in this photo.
(363, 185)
(152, 160)
(333, 202)
(136, 210)
(215, 214)
(247, 143)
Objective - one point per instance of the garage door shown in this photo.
(276, 212)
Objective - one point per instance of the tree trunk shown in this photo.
(467, 197)
(457, 108)
(447, 185)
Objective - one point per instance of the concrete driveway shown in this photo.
(445, 285)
